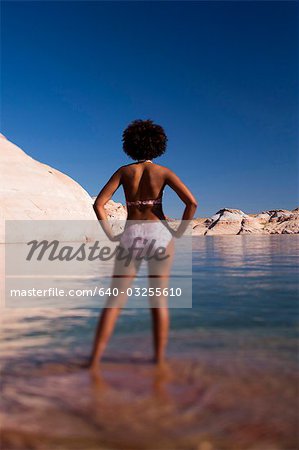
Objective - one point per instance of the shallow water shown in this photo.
(231, 378)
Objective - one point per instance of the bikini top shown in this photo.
(157, 201)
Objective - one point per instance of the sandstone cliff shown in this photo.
(32, 190)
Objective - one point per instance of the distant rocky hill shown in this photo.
(229, 221)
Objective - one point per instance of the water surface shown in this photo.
(231, 378)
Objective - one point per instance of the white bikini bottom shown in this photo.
(147, 236)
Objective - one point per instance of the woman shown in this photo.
(143, 182)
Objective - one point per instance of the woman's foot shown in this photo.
(159, 359)
(160, 362)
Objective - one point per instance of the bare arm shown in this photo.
(173, 181)
(104, 196)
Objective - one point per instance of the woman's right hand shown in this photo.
(116, 237)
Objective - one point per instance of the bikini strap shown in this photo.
(157, 201)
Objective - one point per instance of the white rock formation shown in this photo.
(226, 221)
(117, 214)
(114, 210)
(234, 221)
(31, 190)
(251, 225)
(200, 226)
(283, 222)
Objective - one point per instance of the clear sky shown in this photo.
(220, 77)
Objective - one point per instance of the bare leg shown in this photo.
(122, 280)
(160, 317)
(159, 278)
(104, 330)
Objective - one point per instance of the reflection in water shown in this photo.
(230, 358)
(245, 252)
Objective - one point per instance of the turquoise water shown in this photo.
(240, 335)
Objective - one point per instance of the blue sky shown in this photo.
(220, 77)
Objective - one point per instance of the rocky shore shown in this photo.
(229, 221)
(31, 190)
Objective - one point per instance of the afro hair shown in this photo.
(143, 139)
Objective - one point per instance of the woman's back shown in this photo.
(143, 184)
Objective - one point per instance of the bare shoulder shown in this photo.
(162, 169)
(166, 171)
(127, 168)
